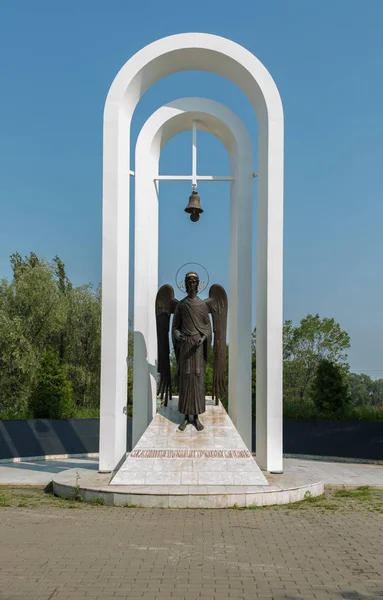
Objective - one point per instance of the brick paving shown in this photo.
(147, 554)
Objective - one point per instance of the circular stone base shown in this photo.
(94, 487)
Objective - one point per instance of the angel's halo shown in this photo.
(191, 266)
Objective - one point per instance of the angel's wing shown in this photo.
(217, 303)
(165, 306)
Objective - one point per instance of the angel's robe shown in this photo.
(191, 319)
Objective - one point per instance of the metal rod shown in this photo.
(194, 155)
(156, 185)
(190, 178)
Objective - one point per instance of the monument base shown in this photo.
(169, 468)
(214, 456)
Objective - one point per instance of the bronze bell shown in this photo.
(194, 207)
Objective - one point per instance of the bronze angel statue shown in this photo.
(192, 338)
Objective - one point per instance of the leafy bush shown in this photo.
(84, 412)
(307, 410)
(329, 390)
(364, 413)
(52, 395)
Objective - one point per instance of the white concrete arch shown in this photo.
(197, 51)
(164, 124)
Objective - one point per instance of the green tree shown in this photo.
(20, 265)
(361, 389)
(305, 346)
(17, 366)
(33, 297)
(82, 352)
(52, 394)
(65, 288)
(30, 316)
(329, 390)
(41, 310)
(377, 397)
(364, 391)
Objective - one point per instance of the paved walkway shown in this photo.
(41, 472)
(104, 553)
(66, 551)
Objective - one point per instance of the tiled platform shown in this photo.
(216, 456)
(169, 468)
(280, 489)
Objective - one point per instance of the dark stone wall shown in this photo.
(346, 439)
(39, 437)
(343, 439)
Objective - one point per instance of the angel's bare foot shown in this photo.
(197, 423)
(182, 427)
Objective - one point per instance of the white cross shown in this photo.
(193, 177)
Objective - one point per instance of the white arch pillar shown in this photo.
(196, 51)
(164, 124)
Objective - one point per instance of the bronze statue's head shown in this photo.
(191, 283)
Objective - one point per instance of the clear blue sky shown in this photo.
(57, 61)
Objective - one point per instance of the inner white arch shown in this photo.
(197, 51)
(164, 124)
